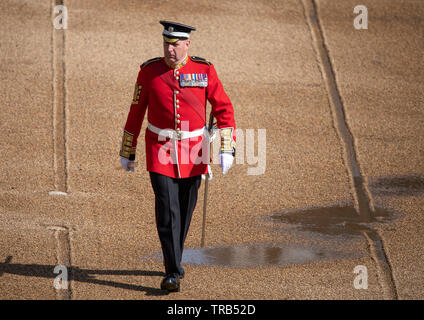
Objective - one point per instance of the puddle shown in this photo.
(261, 255)
(329, 233)
(333, 221)
(398, 185)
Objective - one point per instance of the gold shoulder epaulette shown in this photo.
(150, 61)
(201, 60)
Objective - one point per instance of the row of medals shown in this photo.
(194, 80)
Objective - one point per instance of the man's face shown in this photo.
(175, 52)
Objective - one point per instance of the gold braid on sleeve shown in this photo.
(127, 150)
(227, 142)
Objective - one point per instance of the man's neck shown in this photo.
(177, 64)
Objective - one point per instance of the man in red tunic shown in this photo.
(174, 89)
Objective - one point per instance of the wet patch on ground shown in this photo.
(304, 236)
(411, 185)
(334, 221)
(262, 255)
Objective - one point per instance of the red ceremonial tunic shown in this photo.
(176, 99)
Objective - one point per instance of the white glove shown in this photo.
(225, 161)
(127, 164)
(209, 174)
(211, 135)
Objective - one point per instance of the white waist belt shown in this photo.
(173, 134)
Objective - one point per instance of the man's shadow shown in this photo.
(82, 275)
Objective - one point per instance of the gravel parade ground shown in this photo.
(329, 205)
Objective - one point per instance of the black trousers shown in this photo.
(175, 200)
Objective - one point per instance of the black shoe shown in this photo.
(171, 282)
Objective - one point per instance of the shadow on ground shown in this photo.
(83, 275)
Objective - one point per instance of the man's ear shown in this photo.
(188, 43)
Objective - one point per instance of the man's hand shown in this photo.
(225, 161)
(127, 164)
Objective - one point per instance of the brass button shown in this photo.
(177, 106)
(178, 121)
(178, 115)
(177, 77)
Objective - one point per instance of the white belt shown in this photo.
(177, 135)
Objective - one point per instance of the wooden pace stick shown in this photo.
(205, 196)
